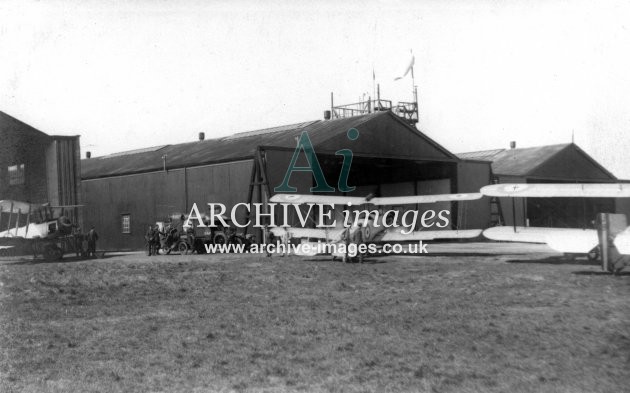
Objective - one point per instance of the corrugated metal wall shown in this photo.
(63, 173)
(470, 178)
(154, 196)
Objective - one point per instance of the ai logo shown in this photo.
(304, 144)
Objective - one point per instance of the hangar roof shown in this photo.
(381, 134)
(563, 161)
(9, 125)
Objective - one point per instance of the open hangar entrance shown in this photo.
(385, 177)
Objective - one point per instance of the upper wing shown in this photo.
(397, 236)
(308, 198)
(347, 200)
(32, 231)
(551, 190)
(413, 199)
(9, 205)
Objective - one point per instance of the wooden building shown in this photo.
(125, 192)
(38, 168)
(562, 163)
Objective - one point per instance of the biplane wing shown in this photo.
(334, 234)
(555, 190)
(566, 240)
(348, 200)
(371, 233)
(46, 225)
(324, 199)
(622, 242)
(305, 233)
(397, 236)
(30, 231)
(8, 206)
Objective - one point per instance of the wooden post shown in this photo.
(250, 192)
(602, 229)
(17, 221)
(514, 214)
(28, 220)
(10, 215)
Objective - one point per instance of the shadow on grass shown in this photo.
(453, 254)
(368, 261)
(590, 273)
(66, 259)
(557, 261)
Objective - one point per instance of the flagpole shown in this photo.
(373, 82)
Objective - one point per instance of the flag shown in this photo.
(409, 68)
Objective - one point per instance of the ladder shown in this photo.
(496, 214)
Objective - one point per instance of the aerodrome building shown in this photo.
(562, 163)
(127, 191)
(38, 168)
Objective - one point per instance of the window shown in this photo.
(16, 174)
(126, 223)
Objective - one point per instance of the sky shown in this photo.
(128, 75)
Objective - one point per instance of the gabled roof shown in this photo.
(551, 161)
(483, 155)
(9, 123)
(381, 133)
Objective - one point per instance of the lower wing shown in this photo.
(398, 236)
(315, 233)
(566, 240)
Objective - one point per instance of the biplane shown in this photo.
(41, 229)
(610, 241)
(371, 231)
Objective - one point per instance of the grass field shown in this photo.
(514, 319)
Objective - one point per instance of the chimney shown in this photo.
(202, 136)
(327, 115)
(513, 145)
(88, 154)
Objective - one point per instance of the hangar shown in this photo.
(562, 163)
(38, 168)
(124, 192)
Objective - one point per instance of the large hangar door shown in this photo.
(434, 187)
(421, 187)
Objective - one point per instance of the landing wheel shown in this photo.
(616, 265)
(220, 238)
(183, 248)
(593, 255)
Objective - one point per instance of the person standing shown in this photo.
(92, 237)
(156, 240)
(150, 235)
(78, 240)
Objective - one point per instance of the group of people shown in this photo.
(85, 244)
(156, 239)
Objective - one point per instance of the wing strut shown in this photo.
(514, 214)
(28, 220)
